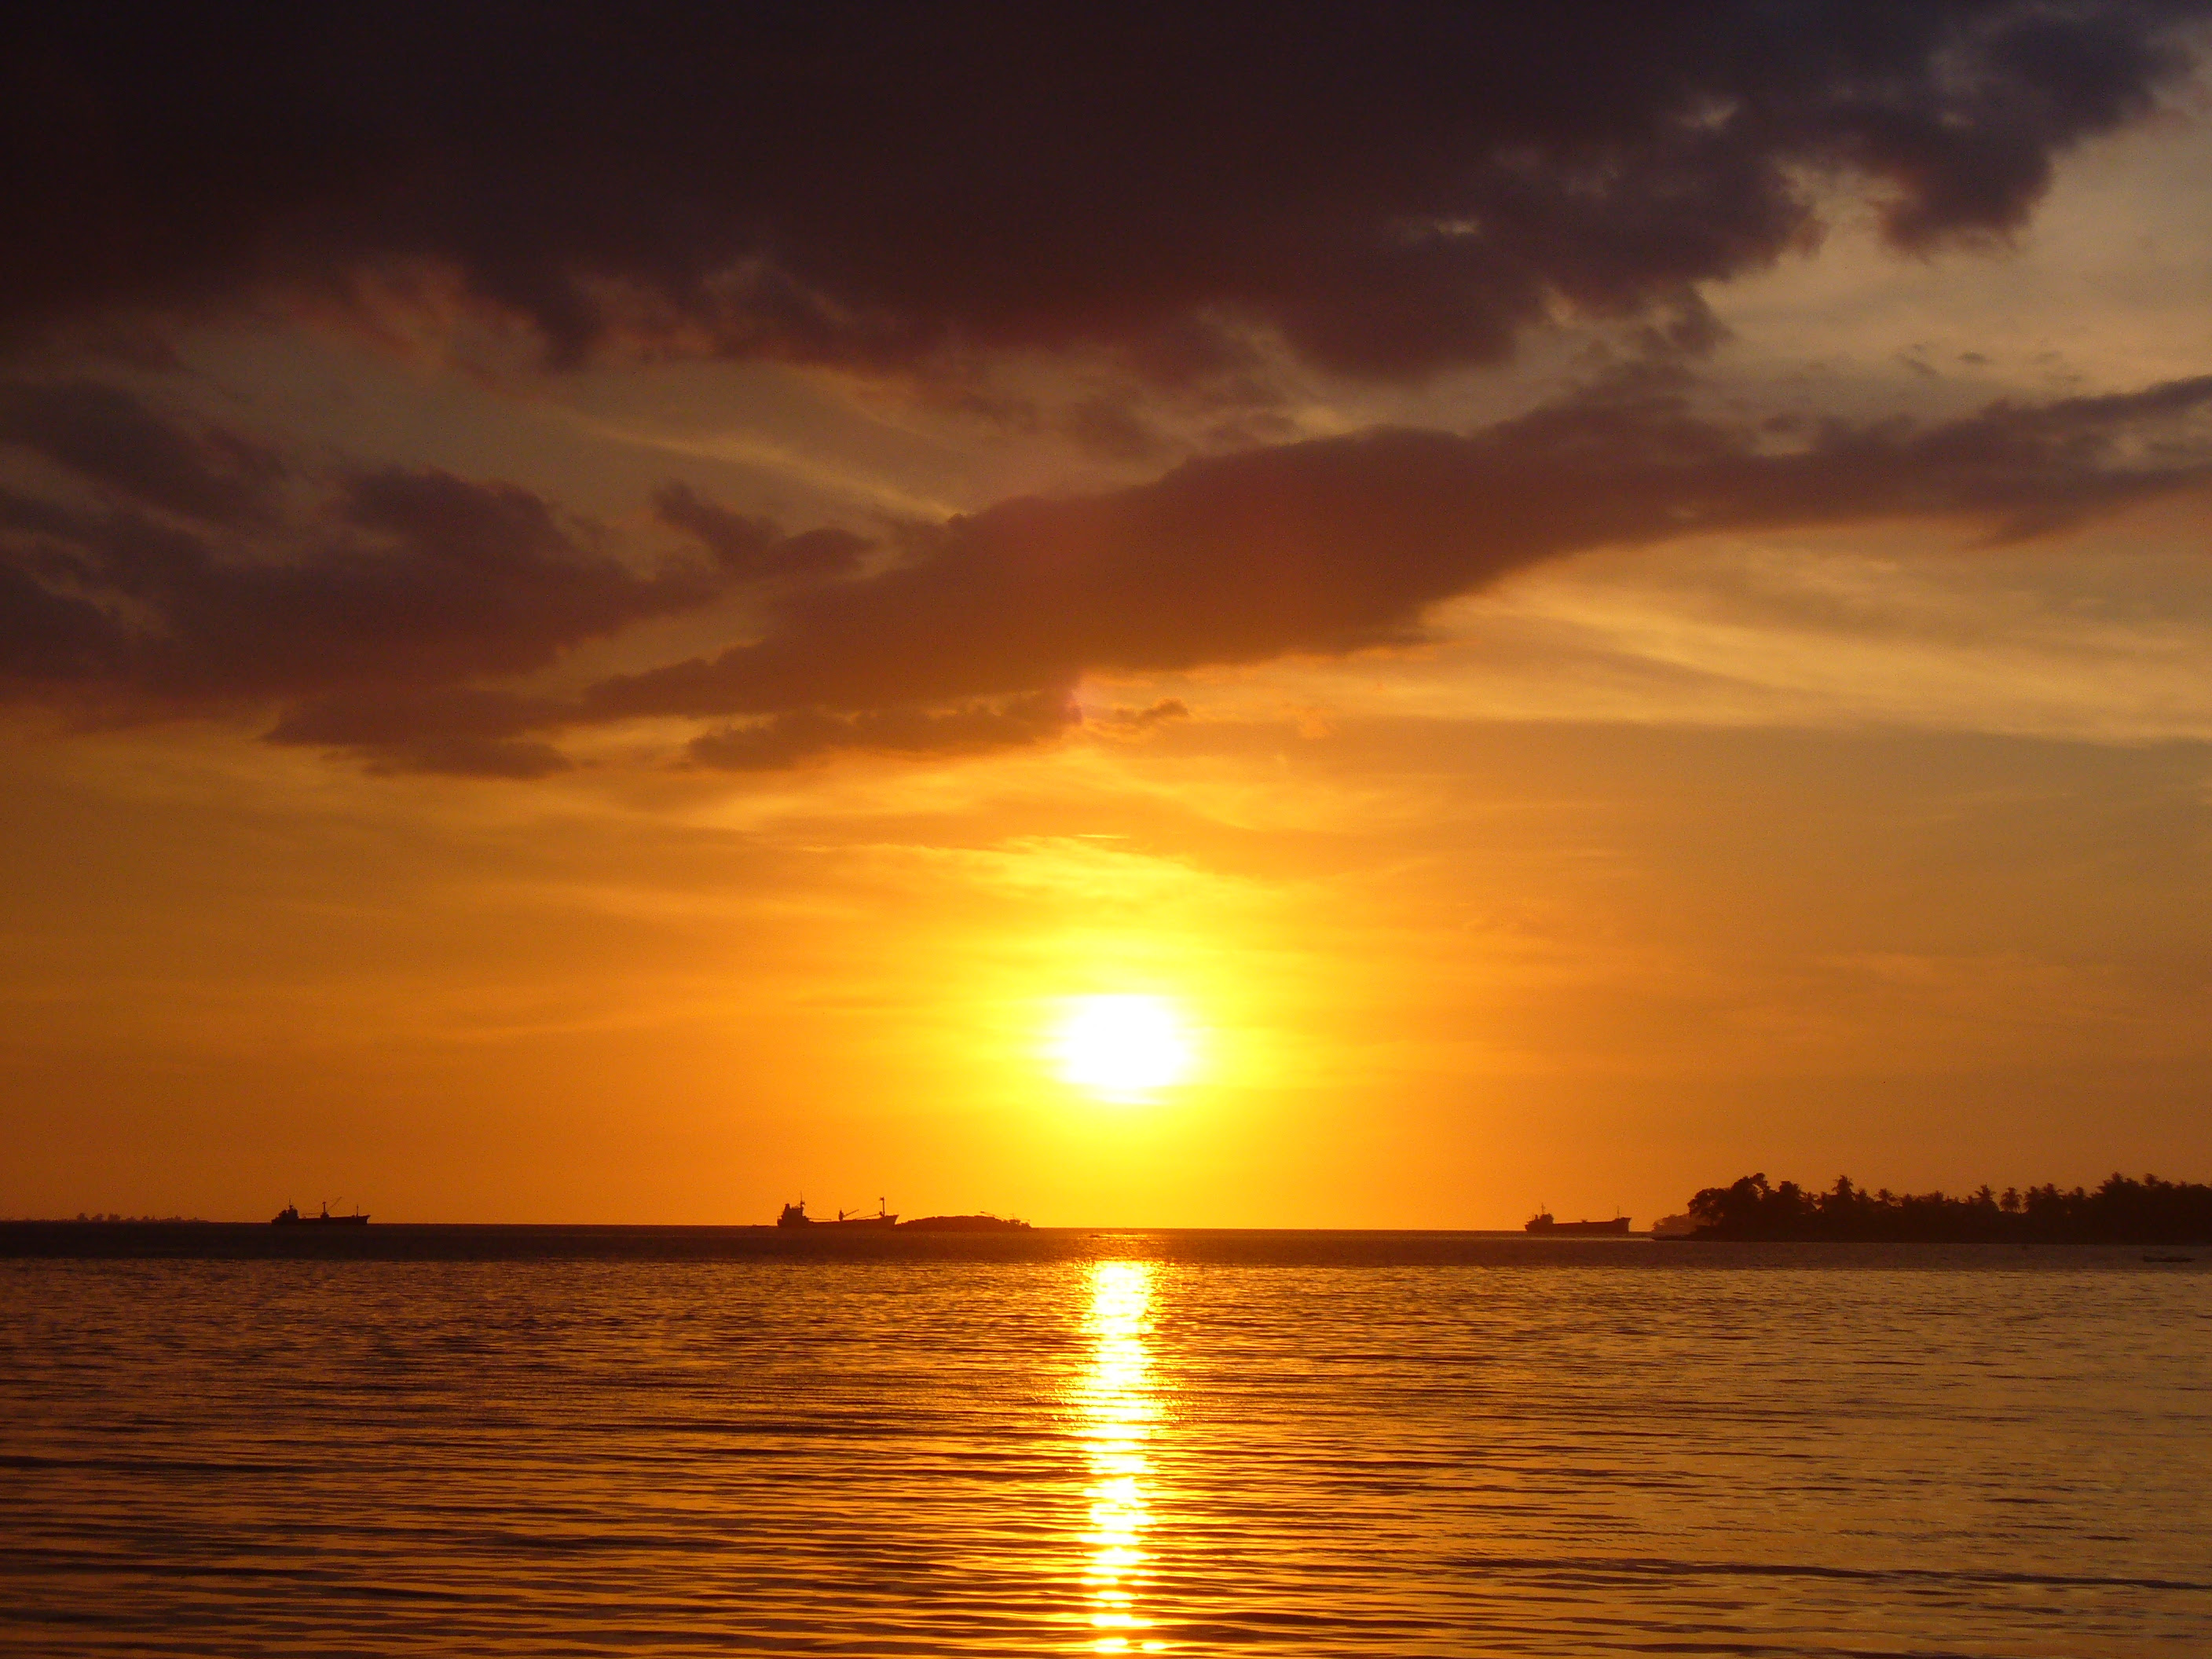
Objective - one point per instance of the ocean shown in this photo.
(573, 1441)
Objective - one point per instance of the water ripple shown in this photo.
(1287, 1446)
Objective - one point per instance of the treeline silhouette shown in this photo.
(2121, 1211)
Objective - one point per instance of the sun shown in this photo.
(1122, 1047)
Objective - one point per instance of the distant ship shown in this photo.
(967, 1224)
(1542, 1222)
(794, 1215)
(290, 1216)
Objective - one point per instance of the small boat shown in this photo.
(2168, 1258)
(1542, 1222)
(290, 1216)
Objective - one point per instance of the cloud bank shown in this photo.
(1386, 193)
(1389, 191)
(391, 613)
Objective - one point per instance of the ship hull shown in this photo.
(794, 1215)
(1616, 1228)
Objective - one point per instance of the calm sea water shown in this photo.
(461, 1441)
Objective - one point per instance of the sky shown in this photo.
(1272, 616)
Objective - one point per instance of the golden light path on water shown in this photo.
(1116, 1409)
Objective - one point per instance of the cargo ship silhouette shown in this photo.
(290, 1216)
(1542, 1222)
(794, 1215)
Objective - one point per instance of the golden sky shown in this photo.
(519, 708)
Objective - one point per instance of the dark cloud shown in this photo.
(49, 638)
(757, 550)
(464, 757)
(805, 734)
(1109, 429)
(110, 439)
(464, 731)
(1145, 719)
(392, 620)
(1342, 544)
(390, 579)
(1393, 189)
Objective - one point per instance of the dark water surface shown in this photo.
(614, 1440)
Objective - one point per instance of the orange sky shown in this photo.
(1691, 835)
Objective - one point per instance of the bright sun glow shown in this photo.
(1122, 1047)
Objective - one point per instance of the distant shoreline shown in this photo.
(549, 1244)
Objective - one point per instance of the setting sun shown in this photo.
(1122, 1047)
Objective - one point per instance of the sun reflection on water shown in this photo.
(1115, 1409)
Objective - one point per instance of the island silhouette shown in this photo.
(2120, 1211)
